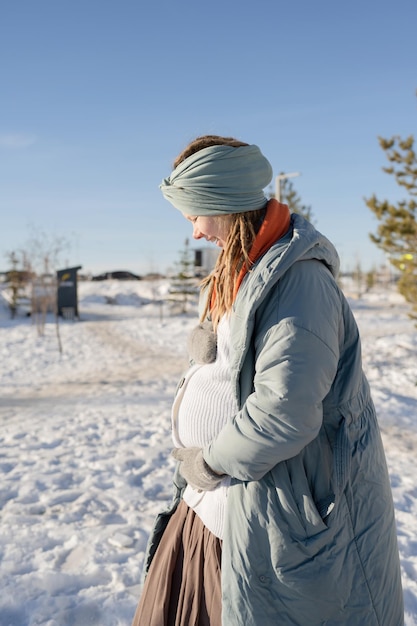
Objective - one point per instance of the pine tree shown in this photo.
(183, 286)
(397, 231)
(289, 196)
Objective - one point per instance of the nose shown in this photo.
(197, 234)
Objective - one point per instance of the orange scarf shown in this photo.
(274, 226)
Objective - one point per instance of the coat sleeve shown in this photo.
(294, 371)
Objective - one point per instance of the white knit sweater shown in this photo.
(202, 406)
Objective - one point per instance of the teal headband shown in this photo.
(218, 180)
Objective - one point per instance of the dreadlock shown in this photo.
(220, 283)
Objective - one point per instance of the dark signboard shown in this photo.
(67, 298)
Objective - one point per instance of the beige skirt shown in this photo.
(183, 585)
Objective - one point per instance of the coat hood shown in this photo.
(308, 243)
(301, 243)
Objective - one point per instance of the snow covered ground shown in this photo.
(85, 447)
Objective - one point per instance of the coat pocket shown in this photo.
(305, 489)
(298, 514)
(308, 543)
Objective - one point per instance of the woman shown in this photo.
(283, 512)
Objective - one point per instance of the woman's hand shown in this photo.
(195, 470)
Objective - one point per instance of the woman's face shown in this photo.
(212, 228)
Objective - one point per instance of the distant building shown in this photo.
(205, 260)
(118, 275)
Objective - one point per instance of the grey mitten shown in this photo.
(195, 470)
(202, 343)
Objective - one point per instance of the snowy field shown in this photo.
(85, 444)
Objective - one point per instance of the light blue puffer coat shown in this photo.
(310, 534)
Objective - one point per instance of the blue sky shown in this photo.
(97, 97)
